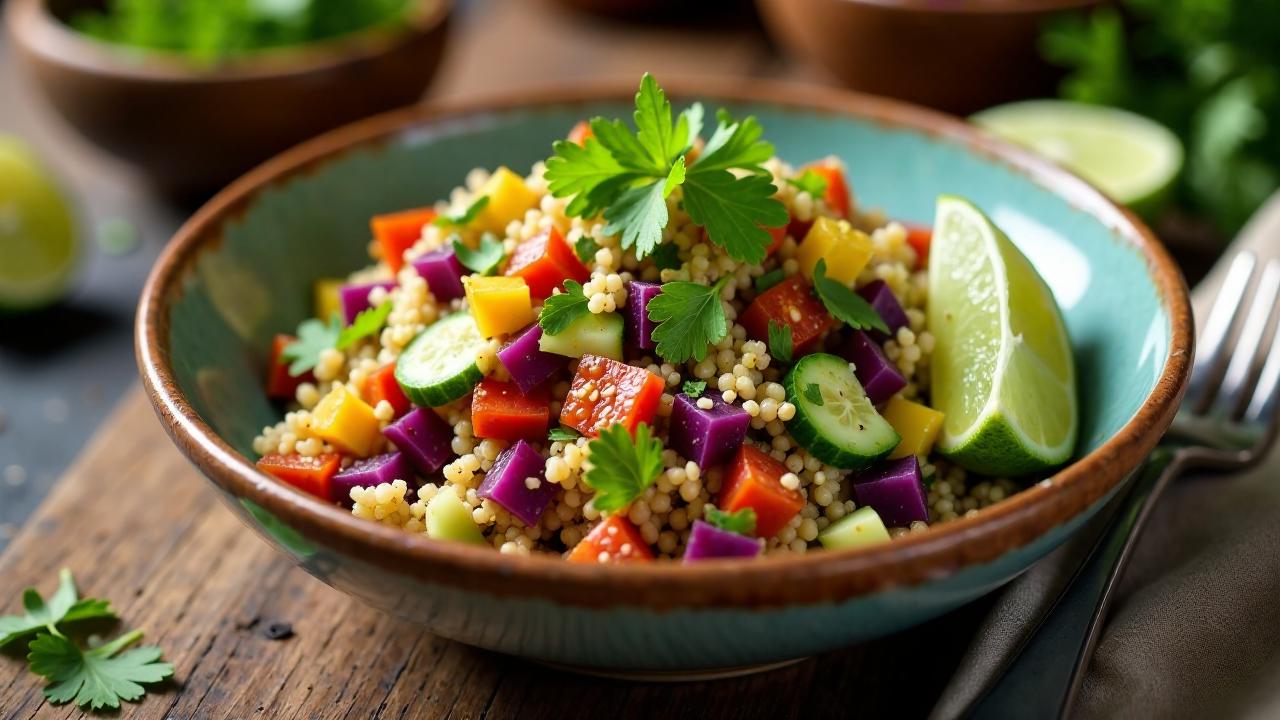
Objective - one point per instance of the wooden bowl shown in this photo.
(959, 56)
(191, 128)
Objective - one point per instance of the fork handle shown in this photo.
(1045, 678)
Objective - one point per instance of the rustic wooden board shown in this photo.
(139, 526)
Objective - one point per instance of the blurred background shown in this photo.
(118, 118)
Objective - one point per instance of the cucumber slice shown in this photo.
(439, 366)
(860, 527)
(834, 419)
(449, 519)
(590, 334)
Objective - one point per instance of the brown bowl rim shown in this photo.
(32, 25)
(974, 7)
(820, 577)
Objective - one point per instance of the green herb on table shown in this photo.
(690, 318)
(844, 303)
(622, 467)
(64, 606)
(484, 259)
(464, 218)
(741, 521)
(562, 309)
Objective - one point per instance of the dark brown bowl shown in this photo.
(959, 56)
(192, 128)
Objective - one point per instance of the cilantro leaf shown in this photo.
(484, 259)
(780, 341)
(586, 248)
(563, 434)
(810, 182)
(694, 388)
(844, 303)
(368, 323)
(466, 217)
(620, 467)
(734, 210)
(98, 678)
(64, 606)
(690, 318)
(666, 256)
(562, 309)
(814, 394)
(314, 337)
(769, 279)
(742, 521)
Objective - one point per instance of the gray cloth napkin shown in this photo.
(1195, 629)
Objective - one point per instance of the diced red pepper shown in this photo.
(837, 196)
(545, 261)
(280, 384)
(614, 540)
(755, 481)
(500, 411)
(920, 238)
(397, 232)
(580, 132)
(790, 303)
(607, 392)
(311, 475)
(381, 385)
(778, 234)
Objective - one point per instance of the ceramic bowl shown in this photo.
(241, 269)
(192, 128)
(954, 55)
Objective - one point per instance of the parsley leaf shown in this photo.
(314, 337)
(811, 182)
(734, 210)
(814, 394)
(64, 606)
(620, 467)
(844, 303)
(562, 309)
(769, 279)
(97, 678)
(736, 145)
(466, 217)
(586, 248)
(484, 259)
(367, 324)
(666, 257)
(690, 318)
(694, 388)
(741, 521)
(588, 172)
(654, 130)
(563, 434)
(780, 341)
(638, 216)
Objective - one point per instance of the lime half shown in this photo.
(38, 243)
(1002, 369)
(1129, 157)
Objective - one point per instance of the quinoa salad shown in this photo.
(654, 345)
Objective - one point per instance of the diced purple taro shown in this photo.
(355, 298)
(423, 438)
(706, 542)
(516, 483)
(874, 370)
(707, 437)
(528, 365)
(878, 294)
(443, 273)
(639, 326)
(895, 491)
(371, 472)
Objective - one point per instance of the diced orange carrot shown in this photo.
(309, 474)
(755, 481)
(614, 540)
(397, 232)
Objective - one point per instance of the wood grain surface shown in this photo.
(136, 524)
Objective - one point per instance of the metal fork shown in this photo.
(1226, 422)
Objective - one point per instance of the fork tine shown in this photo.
(1244, 355)
(1266, 394)
(1212, 346)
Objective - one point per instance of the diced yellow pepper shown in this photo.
(346, 422)
(846, 250)
(327, 299)
(509, 198)
(918, 425)
(498, 304)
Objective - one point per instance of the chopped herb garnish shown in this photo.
(464, 218)
(741, 521)
(484, 259)
(666, 257)
(694, 388)
(621, 468)
(563, 434)
(367, 324)
(813, 394)
(769, 279)
(811, 182)
(690, 318)
(314, 337)
(586, 248)
(780, 341)
(844, 303)
(562, 309)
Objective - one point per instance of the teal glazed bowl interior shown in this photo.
(242, 269)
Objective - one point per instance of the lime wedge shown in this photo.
(1002, 369)
(1129, 157)
(38, 243)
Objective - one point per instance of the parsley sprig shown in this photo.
(780, 341)
(628, 176)
(741, 521)
(466, 217)
(562, 309)
(64, 606)
(484, 259)
(844, 303)
(622, 467)
(315, 336)
(690, 318)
